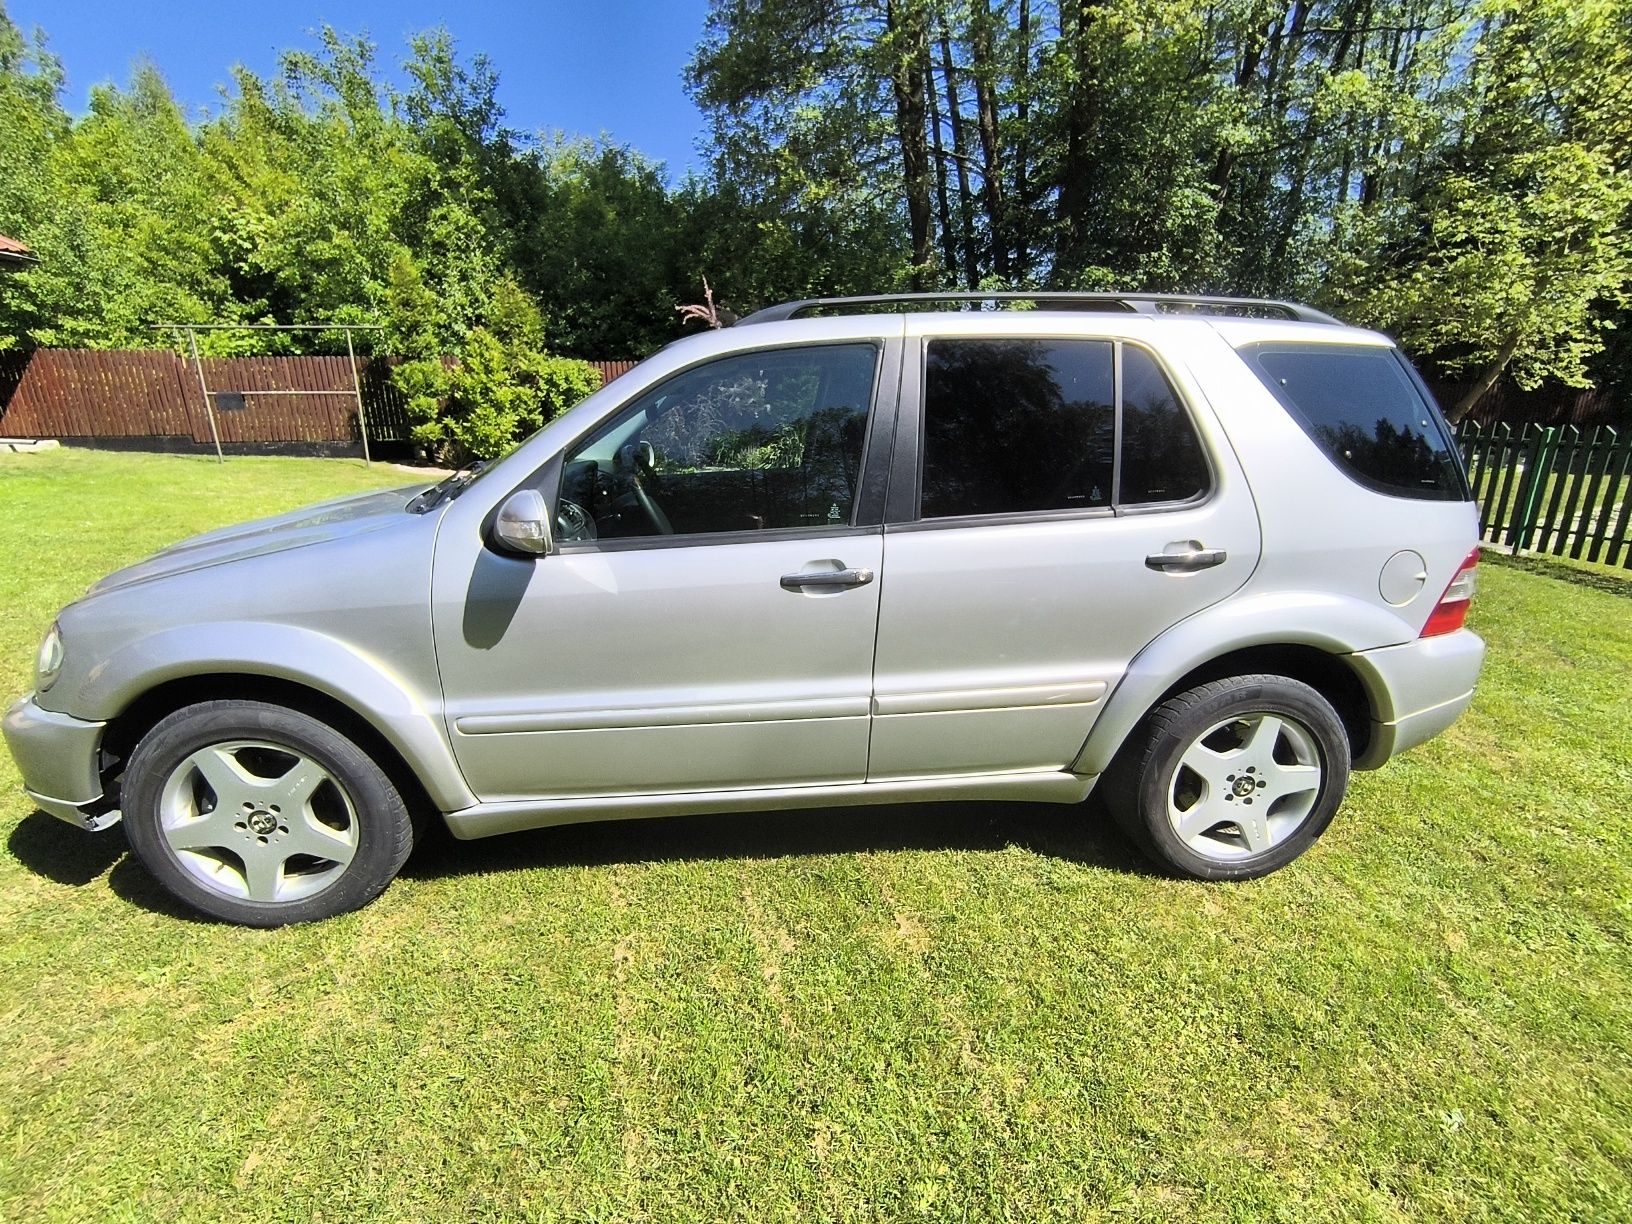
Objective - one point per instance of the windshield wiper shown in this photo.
(446, 489)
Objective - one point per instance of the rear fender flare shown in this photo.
(1329, 623)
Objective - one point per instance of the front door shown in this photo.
(1026, 544)
(707, 621)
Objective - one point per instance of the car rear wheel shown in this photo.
(1232, 779)
(262, 815)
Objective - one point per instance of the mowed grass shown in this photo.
(959, 1012)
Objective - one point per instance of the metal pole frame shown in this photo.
(204, 389)
(357, 389)
(192, 330)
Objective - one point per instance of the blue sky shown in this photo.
(611, 66)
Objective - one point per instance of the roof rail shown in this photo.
(1140, 303)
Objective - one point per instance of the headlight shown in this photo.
(49, 661)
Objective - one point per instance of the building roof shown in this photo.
(14, 254)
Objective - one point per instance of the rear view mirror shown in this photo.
(523, 524)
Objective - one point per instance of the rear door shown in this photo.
(1057, 501)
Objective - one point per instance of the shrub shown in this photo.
(499, 387)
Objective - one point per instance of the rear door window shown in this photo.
(1361, 405)
(1012, 426)
(1162, 459)
(1028, 426)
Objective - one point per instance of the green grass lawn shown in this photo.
(941, 1012)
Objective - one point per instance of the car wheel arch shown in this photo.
(405, 715)
(127, 728)
(1200, 650)
(1330, 675)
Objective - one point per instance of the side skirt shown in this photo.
(511, 816)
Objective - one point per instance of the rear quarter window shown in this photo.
(1364, 408)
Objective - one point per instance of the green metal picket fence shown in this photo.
(1553, 489)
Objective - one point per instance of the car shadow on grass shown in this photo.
(55, 850)
(1080, 833)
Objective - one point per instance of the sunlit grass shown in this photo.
(955, 1012)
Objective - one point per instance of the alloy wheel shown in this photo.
(258, 821)
(1244, 786)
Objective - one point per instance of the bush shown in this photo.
(499, 387)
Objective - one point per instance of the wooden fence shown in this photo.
(153, 396)
(1548, 404)
(1553, 489)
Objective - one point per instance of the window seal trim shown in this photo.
(713, 539)
(1006, 518)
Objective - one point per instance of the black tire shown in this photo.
(1140, 781)
(384, 832)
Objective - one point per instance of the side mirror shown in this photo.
(523, 524)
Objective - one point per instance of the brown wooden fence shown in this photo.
(1548, 404)
(153, 395)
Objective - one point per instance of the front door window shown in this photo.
(754, 442)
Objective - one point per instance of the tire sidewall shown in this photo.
(1260, 695)
(383, 832)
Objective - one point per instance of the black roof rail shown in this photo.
(1140, 303)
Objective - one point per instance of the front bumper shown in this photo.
(60, 760)
(1417, 690)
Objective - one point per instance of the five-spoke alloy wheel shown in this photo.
(1232, 779)
(257, 821)
(262, 815)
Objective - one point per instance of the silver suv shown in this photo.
(1211, 553)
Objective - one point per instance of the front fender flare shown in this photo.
(363, 684)
(1329, 623)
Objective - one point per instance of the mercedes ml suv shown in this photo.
(1208, 555)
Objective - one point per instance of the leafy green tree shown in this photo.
(1520, 233)
(32, 122)
(1455, 171)
(133, 182)
(809, 184)
(598, 240)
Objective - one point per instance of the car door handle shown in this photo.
(1185, 558)
(826, 578)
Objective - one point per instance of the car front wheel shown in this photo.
(262, 815)
(1232, 779)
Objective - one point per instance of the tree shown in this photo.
(32, 121)
(1519, 233)
(597, 241)
(820, 164)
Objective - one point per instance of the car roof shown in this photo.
(1154, 304)
(1240, 321)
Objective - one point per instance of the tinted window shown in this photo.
(1161, 455)
(753, 442)
(1361, 406)
(1018, 425)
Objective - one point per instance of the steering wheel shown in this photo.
(649, 509)
(573, 522)
(635, 462)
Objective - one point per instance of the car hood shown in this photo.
(331, 520)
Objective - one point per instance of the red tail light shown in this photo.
(1452, 609)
